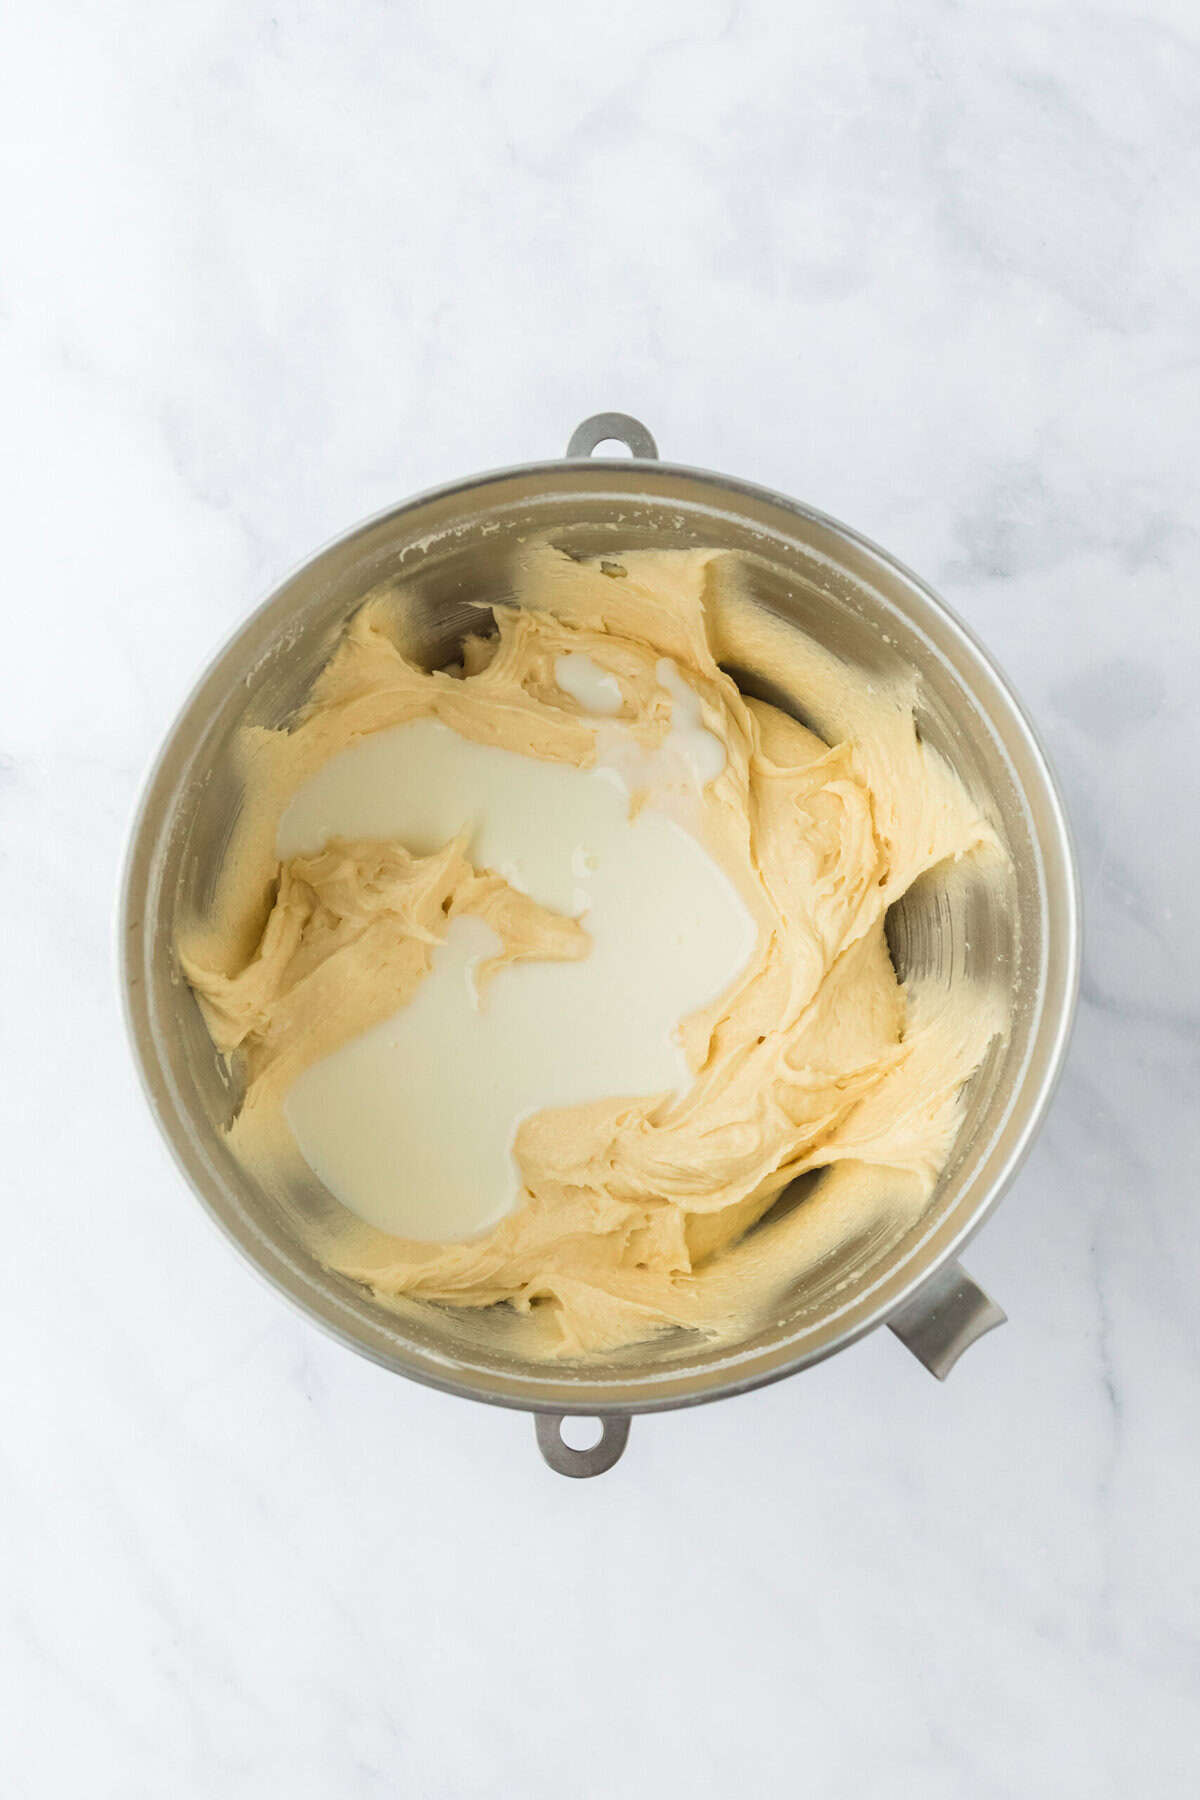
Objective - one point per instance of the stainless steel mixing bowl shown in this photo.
(439, 555)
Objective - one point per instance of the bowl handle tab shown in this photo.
(565, 1460)
(944, 1318)
(618, 428)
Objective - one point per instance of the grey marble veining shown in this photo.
(935, 269)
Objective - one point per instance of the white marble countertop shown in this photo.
(267, 269)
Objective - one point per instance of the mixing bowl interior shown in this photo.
(438, 558)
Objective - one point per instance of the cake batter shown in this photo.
(558, 967)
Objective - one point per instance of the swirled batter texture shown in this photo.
(635, 1214)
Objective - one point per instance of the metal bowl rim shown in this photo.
(1036, 1106)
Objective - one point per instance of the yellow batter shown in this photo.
(634, 1214)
